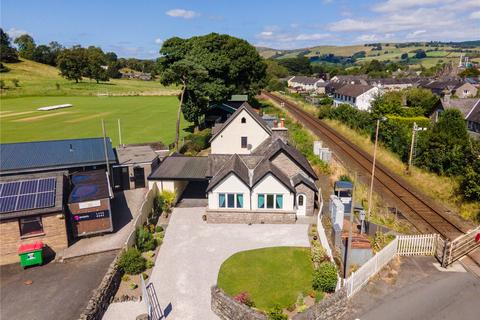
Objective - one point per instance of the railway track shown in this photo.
(424, 213)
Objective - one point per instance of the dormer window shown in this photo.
(244, 120)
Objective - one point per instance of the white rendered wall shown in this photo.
(269, 184)
(229, 140)
(231, 184)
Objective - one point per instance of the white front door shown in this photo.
(301, 204)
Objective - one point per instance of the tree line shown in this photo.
(74, 63)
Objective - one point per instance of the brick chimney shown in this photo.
(279, 131)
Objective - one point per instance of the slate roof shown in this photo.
(353, 90)
(300, 178)
(179, 167)
(233, 165)
(245, 106)
(53, 155)
(265, 167)
(470, 108)
(271, 147)
(305, 80)
(58, 207)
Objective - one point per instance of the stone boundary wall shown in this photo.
(227, 308)
(103, 295)
(254, 217)
(331, 308)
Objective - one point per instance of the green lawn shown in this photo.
(270, 275)
(143, 119)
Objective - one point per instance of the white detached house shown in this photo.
(253, 174)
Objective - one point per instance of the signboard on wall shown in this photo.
(89, 204)
(91, 216)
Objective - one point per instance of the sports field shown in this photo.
(143, 119)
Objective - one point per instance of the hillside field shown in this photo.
(38, 79)
(143, 119)
(388, 52)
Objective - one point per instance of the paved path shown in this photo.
(193, 251)
(58, 291)
(125, 207)
(420, 291)
(127, 310)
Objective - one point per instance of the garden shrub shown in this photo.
(125, 277)
(319, 296)
(149, 264)
(144, 240)
(132, 262)
(158, 229)
(166, 199)
(276, 314)
(319, 254)
(325, 277)
(244, 298)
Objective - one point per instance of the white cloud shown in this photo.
(288, 37)
(368, 37)
(15, 33)
(182, 13)
(395, 5)
(474, 15)
(158, 41)
(347, 25)
(415, 34)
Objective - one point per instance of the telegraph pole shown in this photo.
(373, 170)
(119, 133)
(410, 157)
(105, 148)
(349, 243)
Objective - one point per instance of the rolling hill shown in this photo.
(446, 52)
(36, 79)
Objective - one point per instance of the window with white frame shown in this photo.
(230, 200)
(270, 201)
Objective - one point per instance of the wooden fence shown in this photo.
(424, 244)
(415, 245)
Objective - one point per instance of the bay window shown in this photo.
(270, 201)
(230, 200)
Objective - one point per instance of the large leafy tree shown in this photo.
(96, 68)
(72, 63)
(447, 148)
(210, 69)
(7, 52)
(26, 46)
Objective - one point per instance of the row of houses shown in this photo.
(359, 91)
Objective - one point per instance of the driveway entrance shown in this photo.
(192, 252)
(194, 195)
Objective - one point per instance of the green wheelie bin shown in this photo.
(31, 254)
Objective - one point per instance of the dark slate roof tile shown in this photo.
(179, 167)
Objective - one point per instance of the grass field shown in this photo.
(270, 276)
(143, 119)
(38, 79)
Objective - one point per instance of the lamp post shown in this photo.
(412, 145)
(373, 167)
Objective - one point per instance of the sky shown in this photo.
(137, 28)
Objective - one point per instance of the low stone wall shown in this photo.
(103, 295)
(331, 308)
(254, 217)
(227, 308)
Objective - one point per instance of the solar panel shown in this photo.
(47, 184)
(45, 199)
(7, 204)
(29, 186)
(10, 189)
(26, 202)
(27, 194)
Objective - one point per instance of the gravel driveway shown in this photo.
(193, 251)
